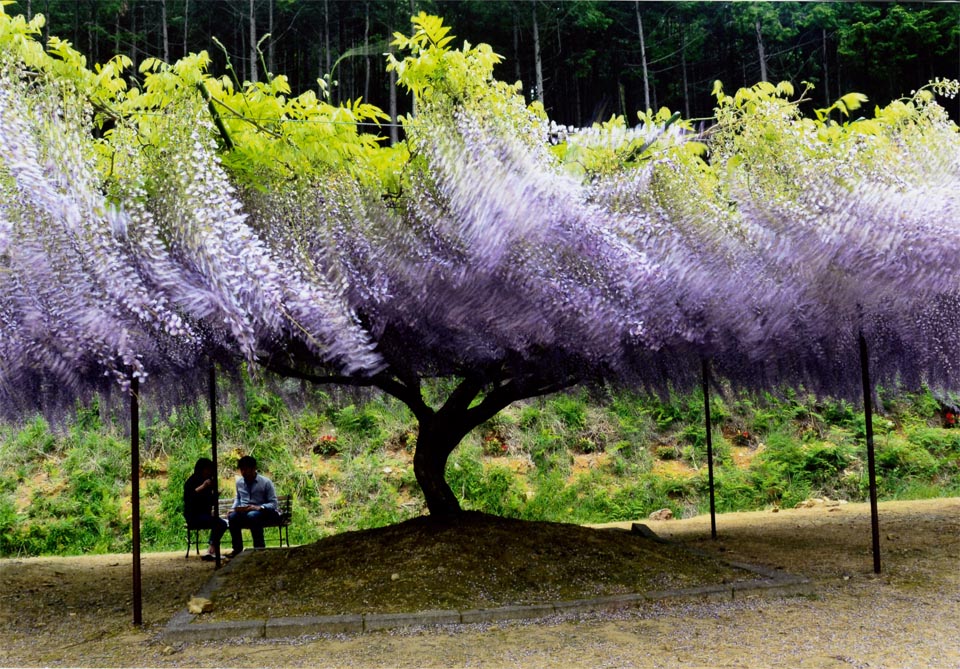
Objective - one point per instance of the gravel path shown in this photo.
(75, 611)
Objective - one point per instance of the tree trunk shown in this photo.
(826, 69)
(643, 60)
(435, 443)
(164, 32)
(516, 48)
(394, 134)
(366, 50)
(762, 54)
(186, 27)
(253, 41)
(683, 62)
(271, 51)
(537, 61)
(326, 41)
(133, 36)
(116, 33)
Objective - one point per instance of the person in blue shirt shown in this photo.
(254, 506)
(200, 504)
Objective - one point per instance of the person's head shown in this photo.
(248, 467)
(204, 467)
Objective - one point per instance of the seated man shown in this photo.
(200, 505)
(255, 505)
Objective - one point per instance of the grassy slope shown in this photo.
(348, 461)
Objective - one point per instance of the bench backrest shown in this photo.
(284, 507)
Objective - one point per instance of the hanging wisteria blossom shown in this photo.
(151, 231)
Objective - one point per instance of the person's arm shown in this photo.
(270, 495)
(236, 498)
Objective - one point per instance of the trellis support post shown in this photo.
(212, 388)
(705, 369)
(871, 458)
(135, 497)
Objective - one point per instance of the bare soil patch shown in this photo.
(476, 561)
(76, 611)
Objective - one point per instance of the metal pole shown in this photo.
(135, 496)
(213, 443)
(706, 417)
(871, 459)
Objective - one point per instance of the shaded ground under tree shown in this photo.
(73, 610)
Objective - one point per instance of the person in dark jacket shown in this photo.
(200, 505)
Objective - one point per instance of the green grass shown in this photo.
(345, 457)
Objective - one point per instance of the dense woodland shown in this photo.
(584, 60)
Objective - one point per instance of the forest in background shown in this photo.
(585, 60)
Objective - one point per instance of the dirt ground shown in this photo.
(77, 611)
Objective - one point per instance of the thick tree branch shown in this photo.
(409, 395)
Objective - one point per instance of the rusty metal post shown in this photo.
(871, 459)
(705, 368)
(213, 445)
(135, 496)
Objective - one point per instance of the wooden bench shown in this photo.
(224, 506)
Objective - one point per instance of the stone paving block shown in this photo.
(610, 603)
(381, 621)
(708, 592)
(300, 625)
(230, 629)
(507, 613)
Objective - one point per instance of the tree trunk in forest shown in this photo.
(537, 62)
(643, 60)
(394, 134)
(91, 38)
(76, 23)
(366, 50)
(116, 33)
(186, 27)
(133, 36)
(253, 41)
(271, 52)
(760, 51)
(683, 63)
(516, 48)
(328, 65)
(826, 69)
(164, 32)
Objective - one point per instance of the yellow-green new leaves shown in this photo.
(845, 105)
(747, 98)
(430, 32)
(431, 66)
(611, 146)
(270, 136)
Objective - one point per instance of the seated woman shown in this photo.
(200, 505)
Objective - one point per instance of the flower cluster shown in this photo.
(769, 249)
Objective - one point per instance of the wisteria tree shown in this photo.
(144, 230)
